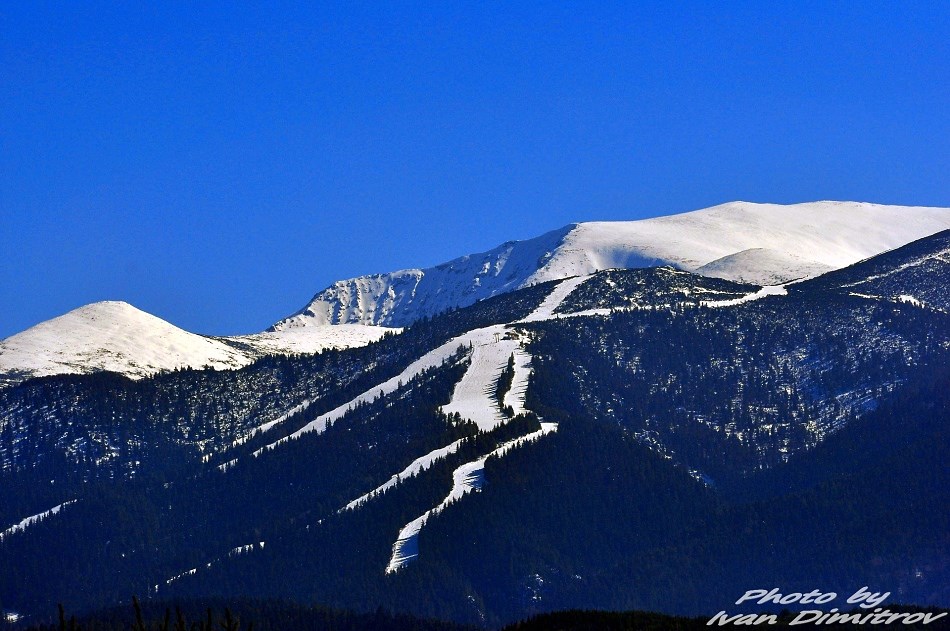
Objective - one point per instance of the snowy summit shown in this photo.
(117, 337)
(763, 244)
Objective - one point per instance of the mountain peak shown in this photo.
(109, 336)
(116, 336)
(742, 241)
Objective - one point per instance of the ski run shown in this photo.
(473, 399)
(514, 398)
(33, 519)
(491, 346)
(418, 465)
(431, 359)
(237, 551)
(549, 305)
(260, 429)
(465, 479)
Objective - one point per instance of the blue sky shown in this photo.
(216, 165)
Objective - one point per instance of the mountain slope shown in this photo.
(669, 390)
(915, 274)
(763, 265)
(117, 337)
(755, 243)
(407, 295)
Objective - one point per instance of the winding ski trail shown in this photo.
(465, 479)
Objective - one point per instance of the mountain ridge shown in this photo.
(668, 390)
(761, 244)
(742, 241)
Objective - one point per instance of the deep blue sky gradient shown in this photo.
(216, 165)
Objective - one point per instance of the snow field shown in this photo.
(763, 244)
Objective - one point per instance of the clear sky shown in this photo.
(217, 165)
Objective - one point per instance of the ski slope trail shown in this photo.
(472, 398)
(514, 398)
(33, 519)
(545, 311)
(431, 359)
(418, 465)
(260, 429)
(492, 347)
(235, 552)
(465, 479)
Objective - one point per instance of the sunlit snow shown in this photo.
(762, 244)
(115, 336)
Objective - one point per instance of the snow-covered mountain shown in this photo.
(764, 244)
(498, 460)
(115, 336)
(758, 243)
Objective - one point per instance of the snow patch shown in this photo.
(190, 572)
(239, 550)
(770, 290)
